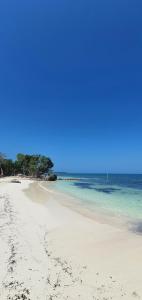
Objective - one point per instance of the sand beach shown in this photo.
(49, 251)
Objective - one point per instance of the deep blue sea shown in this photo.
(117, 194)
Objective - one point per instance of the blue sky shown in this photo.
(71, 82)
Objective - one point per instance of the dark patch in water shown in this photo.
(84, 185)
(137, 228)
(106, 190)
(89, 186)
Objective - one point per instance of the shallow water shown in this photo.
(120, 195)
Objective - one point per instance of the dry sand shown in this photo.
(48, 251)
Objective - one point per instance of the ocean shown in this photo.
(115, 194)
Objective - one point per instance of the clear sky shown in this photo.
(71, 82)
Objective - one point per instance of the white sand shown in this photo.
(48, 251)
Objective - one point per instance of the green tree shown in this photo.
(2, 157)
(33, 165)
(44, 165)
(29, 165)
(8, 167)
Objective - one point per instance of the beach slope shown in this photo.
(49, 251)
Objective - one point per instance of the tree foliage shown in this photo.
(2, 158)
(7, 167)
(25, 164)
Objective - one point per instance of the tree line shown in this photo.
(27, 165)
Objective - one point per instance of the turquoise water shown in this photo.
(116, 194)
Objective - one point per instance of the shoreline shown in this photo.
(49, 251)
(98, 215)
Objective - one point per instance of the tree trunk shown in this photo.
(1, 172)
